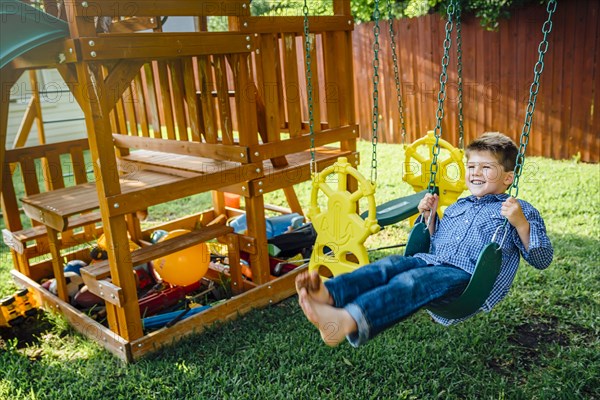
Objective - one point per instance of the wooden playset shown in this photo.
(170, 115)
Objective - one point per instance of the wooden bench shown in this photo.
(42, 169)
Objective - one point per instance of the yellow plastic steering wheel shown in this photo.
(450, 178)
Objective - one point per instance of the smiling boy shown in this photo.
(363, 303)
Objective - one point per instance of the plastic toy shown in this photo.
(15, 309)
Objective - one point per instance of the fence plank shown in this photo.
(595, 128)
(568, 82)
(590, 57)
(497, 73)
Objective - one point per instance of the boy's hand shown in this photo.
(513, 212)
(427, 203)
(511, 209)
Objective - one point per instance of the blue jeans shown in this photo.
(382, 293)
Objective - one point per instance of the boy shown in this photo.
(360, 304)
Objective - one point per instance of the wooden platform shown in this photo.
(168, 177)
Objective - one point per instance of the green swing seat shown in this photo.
(398, 209)
(482, 281)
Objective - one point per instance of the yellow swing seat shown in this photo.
(341, 232)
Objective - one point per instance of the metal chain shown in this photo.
(461, 128)
(435, 149)
(533, 92)
(375, 115)
(309, 91)
(396, 72)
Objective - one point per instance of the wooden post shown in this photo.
(125, 320)
(57, 266)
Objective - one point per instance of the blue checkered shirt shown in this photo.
(468, 226)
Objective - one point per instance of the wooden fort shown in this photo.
(169, 115)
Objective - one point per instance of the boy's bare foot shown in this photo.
(333, 323)
(311, 281)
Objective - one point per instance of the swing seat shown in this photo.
(418, 241)
(398, 209)
(479, 288)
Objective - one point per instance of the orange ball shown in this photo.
(186, 266)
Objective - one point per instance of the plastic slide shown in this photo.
(23, 28)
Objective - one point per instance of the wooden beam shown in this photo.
(39, 151)
(151, 8)
(267, 294)
(101, 270)
(298, 170)
(296, 24)
(255, 219)
(69, 75)
(131, 201)
(342, 7)
(118, 80)
(156, 45)
(214, 151)
(78, 320)
(134, 24)
(26, 124)
(48, 55)
(288, 146)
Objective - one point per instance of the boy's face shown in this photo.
(485, 175)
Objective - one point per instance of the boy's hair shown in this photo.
(501, 146)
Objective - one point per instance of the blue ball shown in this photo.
(74, 266)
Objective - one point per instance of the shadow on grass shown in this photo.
(27, 334)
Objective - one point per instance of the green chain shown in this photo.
(309, 91)
(435, 149)
(533, 92)
(375, 123)
(461, 128)
(396, 72)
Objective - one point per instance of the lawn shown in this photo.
(541, 342)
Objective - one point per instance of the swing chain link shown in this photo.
(396, 72)
(309, 92)
(461, 129)
(533, 92)
(435, 149)
(375, 115)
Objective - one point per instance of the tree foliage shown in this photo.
(489, 12)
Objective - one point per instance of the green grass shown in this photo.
(541, 342)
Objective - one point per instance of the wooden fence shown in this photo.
(497, 74)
